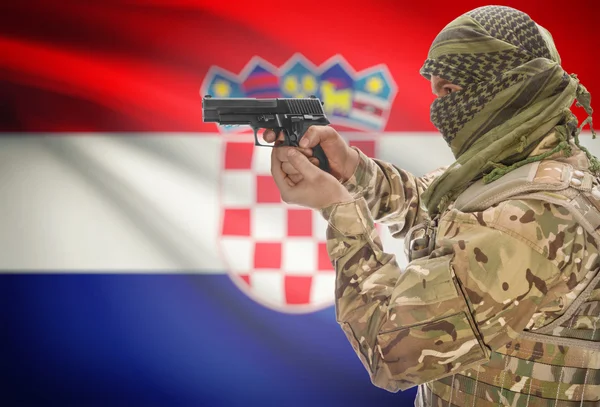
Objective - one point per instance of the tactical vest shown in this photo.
(557, 365)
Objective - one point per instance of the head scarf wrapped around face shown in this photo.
(514, 92)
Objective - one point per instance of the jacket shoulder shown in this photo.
(548, 228)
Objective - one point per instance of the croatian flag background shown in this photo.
(146, 258)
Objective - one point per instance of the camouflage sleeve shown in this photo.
(445, 312)
(392, 194)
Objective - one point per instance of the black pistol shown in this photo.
(293, 116)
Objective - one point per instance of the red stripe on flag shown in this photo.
(114, 81)
(366, 146)
(55, 54)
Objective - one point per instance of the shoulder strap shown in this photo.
(536, 176)
(551, 181)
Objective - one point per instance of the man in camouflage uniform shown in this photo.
(500, 302)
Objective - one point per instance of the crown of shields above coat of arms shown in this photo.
(356, 100)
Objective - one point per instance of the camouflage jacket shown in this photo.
(512, 267)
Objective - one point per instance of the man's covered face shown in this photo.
(483, 66)
(441, 87)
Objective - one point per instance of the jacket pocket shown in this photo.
(429, 333)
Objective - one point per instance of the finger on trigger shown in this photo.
(306, 138)
(268, 135)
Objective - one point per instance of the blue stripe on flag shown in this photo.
(165, 340)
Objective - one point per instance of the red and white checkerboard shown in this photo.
(276, 252)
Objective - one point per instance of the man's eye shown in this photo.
(448, 90)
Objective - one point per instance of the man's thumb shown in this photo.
(301, 164)
(310, 139)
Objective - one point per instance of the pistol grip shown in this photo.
(319, 154)
(293, 139)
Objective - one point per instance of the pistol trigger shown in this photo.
(286, 137)
(293, 139)
(294, 136)
(255, 130)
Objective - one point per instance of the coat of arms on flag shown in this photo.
(275, 252)
(356, 100)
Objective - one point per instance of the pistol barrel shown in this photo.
(214, 108)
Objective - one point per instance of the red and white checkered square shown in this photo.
(299, 222)
(267, 256)
(276, 253)
(236, 222)
(238, 155)
(266, 190)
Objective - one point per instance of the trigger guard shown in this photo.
(258, 143)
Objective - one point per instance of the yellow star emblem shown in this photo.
(290, 84)
(309, 83)
(221, 89)
(374, 85)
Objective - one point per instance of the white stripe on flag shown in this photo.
(147, 203)
(101, 203)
